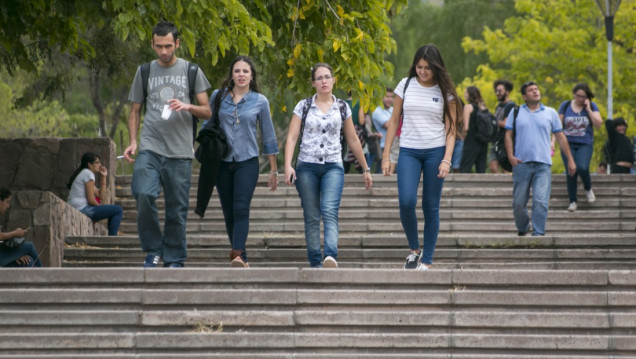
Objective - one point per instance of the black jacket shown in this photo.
(212, 148)
(620, 146)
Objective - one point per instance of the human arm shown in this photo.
(593, 114)
(90, 193)
(565, 148)
(393, 124)
(468, 110)
(356, 148)
(133, 129)
(451, 134)
(202, 110)
(514, 161)
(18, 232)
(290, 145)
(361, 118)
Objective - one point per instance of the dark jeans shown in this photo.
(474, 153)
(8, 258)
(236, 184)
(582, 154)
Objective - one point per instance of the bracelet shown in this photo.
(273, 173)
(449, 163)
(385, 159)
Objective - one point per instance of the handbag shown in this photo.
(12, 243)
(500, 145)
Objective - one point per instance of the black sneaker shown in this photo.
(412, 260)
(151, 261)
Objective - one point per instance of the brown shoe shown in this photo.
(235, 259)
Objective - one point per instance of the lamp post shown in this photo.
(609, 8)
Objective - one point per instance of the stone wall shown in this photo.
(51, 220)
(45, 164)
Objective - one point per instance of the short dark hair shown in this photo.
(619, 121)
(164, 28)
(389, 89)
(585, 88)
(526, 85)
(506, 84)
(4, 193)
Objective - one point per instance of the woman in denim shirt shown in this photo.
(319, 173)
(242, 109)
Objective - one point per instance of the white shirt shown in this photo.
(423, 109)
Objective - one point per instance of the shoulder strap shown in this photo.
(306, 107)
(342, 105)
(193, 69)
(406, 85)
(145, 73)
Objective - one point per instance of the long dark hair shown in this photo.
(87, 158)
(585, 88)
(228, 84)
(430, 53)
(474, 95)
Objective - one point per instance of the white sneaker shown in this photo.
(572, 207)
(330, 262)
(423, 266)
(590, 196)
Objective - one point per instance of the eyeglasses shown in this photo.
(580, 96)
(326, 78)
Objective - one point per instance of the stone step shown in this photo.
(312, 313)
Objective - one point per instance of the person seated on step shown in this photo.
(83, 193)
(14, 250)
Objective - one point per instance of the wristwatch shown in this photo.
(367, 170)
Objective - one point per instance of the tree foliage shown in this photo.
(284, 37)
(559, 43)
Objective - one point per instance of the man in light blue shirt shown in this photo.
(531, 159)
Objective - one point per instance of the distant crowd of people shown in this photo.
(423, 131)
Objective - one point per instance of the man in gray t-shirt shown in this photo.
(165, 154)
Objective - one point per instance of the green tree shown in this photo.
(559, 43)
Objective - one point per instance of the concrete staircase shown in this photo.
(490, 295)
(317, 314)
(477, 228)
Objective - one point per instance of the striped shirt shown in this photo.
(423, 110)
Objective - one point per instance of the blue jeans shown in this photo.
(414, 162)
(8, 258)
(457, 154)
(152, 173)
(320, 189)
(582, 154)
(110, 211)
(236, 184)
(537, 176)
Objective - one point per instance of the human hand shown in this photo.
(386, 167)
(176, 105)
(514, 161)
(130, 151)
(24, 260)
(272, 181)
(290, 175)
(102, 170)
(571, 167)
(19, 232)
(368, 180)
(444, 169)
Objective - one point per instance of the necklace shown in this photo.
(237, 114)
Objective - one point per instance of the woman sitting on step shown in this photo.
(22, 253)
(83, 193)
(319, 122)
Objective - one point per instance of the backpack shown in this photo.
(484, 127)
(343, 115)
(193, 69)
(500, 144)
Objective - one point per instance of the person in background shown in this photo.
(474, 152)
(503, 88)
(428, 103)
(381, 116)
(531, 161)
(83, 193)
(619, 146)
(319, 172)
(359, 121)
(579, 116)
(24, 255)
(242, 110)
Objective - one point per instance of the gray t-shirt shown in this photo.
(77, 195)
(170, 138)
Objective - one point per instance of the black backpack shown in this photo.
(500, 144)
(484, 126)
(193, 69)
